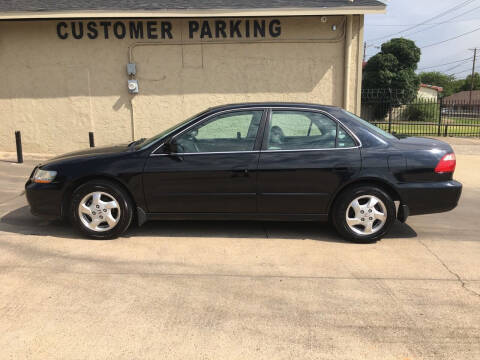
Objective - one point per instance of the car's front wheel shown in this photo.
(101, 209)
(363, 214)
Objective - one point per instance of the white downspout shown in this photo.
(348, 51)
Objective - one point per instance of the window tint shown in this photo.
(344, 140)
(165, 133)
(370, 126)
(295, 130)
(229, 132)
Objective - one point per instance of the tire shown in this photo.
(369, 226)
(101, 209)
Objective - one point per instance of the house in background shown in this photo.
(461, 103)
(429, 92)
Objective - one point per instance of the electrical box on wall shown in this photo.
(131, 69)
(133, 86)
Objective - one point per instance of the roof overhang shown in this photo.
(84, 14)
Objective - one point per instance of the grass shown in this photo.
(460, 120)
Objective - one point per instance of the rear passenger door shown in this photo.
(306, 155)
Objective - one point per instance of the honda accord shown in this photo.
(255, 161)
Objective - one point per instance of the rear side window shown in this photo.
(297, 130)
(370, 126)
(344, 140)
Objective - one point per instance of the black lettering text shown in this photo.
(60, 34)
(105, 25)
(136, 29)
(193, 27)
(206, 31)
(167, 30)
(259, 28)
(77, 34)
(152, 30)
(274, 28)
(235, 28)
(92, 30)
(220, 27)
(119, 30)
(247, 28)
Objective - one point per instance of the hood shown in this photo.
(91, 152)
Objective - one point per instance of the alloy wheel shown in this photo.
(366, 215)
(99, 211)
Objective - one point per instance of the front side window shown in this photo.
(297, 130)
(229, 132)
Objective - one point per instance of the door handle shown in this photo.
(341, 168)
(240, 173)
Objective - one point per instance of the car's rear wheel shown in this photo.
(363, 214)
(101, 209)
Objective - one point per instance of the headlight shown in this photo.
(44, 176)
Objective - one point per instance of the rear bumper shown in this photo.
(45, 200)
(428, 198)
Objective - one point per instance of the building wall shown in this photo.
(427, 93)
(57, 90)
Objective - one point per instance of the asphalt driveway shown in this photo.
(241, 290)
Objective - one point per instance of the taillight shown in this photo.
(446, 164)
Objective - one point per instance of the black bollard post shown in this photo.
(18, 140)
(91, 138)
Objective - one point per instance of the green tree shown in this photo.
(393, 69)
(467, 83)
(447, 82)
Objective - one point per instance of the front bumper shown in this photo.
(45, 200)
(429, 198)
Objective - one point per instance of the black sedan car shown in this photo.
(260, 161)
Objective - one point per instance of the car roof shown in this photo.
(272, 104)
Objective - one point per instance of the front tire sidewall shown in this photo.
(340, 209)
(126, 211)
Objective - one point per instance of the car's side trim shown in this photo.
(208, 153)
(297, 150)
(251, 152)
(237, 216)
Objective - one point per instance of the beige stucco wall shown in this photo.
(56, 91)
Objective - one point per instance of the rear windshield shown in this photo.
(371, 127)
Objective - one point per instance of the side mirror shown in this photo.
(172, 149)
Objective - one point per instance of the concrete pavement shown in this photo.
(241, 290)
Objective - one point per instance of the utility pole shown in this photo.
(364, 51)
(473, 74)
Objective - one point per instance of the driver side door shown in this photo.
(213, 168)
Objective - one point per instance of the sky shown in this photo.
(456, 17)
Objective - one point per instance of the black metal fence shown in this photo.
(426, 117)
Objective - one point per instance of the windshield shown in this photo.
(370, 126)
(148, 142)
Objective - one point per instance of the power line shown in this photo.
(456, 66)
(454, 8)
(453, 38)
(449, 63)
(461, 72)
(441, 23)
